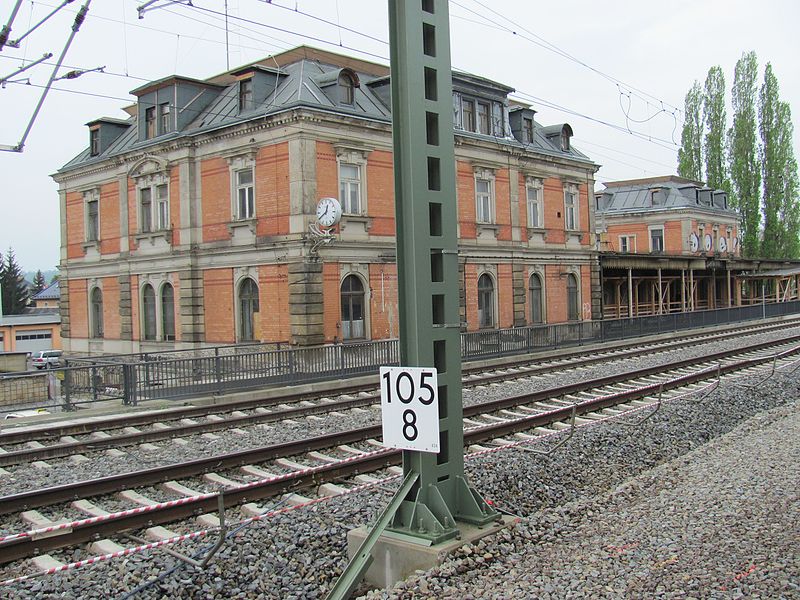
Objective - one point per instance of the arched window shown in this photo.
(485, 301)
(346, 88)
(248, 307)
(96, 313)
(535, 287)
(168, 312)
(149, 312)
(352, 308)
(572, 297)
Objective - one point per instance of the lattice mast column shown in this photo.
(427, 260)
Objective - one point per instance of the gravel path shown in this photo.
(722, 521)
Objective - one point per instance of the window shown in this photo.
(248, 307)
(483, 200)
(535, 208)
(163, 111)
(564, 140)
(485, 301)
(346, 89)
(96, 313)
(92, 218)
(149, 312)
(94, 142)
(527, 130)
(468, 112)
(245, 95)
(350, 188)
(154, 208)
(627, 243)
(657, 239)
(352, 298)
(571, 207)
(168, 312)
(150, 122)
(483, 118)
(245, 200)
(535, 288)
(572, 297)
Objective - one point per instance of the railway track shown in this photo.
(484, 422)
(26, 446)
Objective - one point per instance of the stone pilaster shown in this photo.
(305, 303)
(192, 307)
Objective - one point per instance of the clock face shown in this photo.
(708, 242)
(329, 211)
(694, 242)
(735, 243)
(723, 244)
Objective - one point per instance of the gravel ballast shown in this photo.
(653, 511)
(720, 521)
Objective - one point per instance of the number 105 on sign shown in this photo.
(410, 408)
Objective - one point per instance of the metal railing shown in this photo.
(226, 369)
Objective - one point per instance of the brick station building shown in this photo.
(187, 223)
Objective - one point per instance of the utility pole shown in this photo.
(434, 496)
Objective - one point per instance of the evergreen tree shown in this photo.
(714, 119)
(772, 166)
(743, 154)
(14, 286)
(690, 155)
(38, 282)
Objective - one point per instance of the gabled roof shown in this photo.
(659, 193)
(304, 75)
(51, 292)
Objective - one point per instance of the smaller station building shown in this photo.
(669, 244)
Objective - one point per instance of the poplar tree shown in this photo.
(745, 170)
(789, 210)
(714, 119)
(771, 164)
(690, 155)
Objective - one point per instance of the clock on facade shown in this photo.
(329, 211)
(723, 244)
(694, 242)
(708, 242)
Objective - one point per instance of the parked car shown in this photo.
(46, 359)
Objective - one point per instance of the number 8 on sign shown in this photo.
(410, 408)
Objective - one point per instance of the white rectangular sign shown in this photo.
(410, 408)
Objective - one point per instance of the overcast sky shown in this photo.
(625, 64)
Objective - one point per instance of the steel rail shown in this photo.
(60, 450)
(16, 549)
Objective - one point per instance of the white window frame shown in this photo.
(650, 230)
(92, 196)
(630, 241)
(535, 205)
(486, 175)
(348, 185)
(243, 211)
(159, 217)
(354, 157)
(571, 208)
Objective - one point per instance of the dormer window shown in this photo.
(245, 95)
(527, 131)
(163, 111)
(94, 142)
(150, 122)
(564, 140)
(346, 88)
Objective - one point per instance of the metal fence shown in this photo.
(226, 369)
